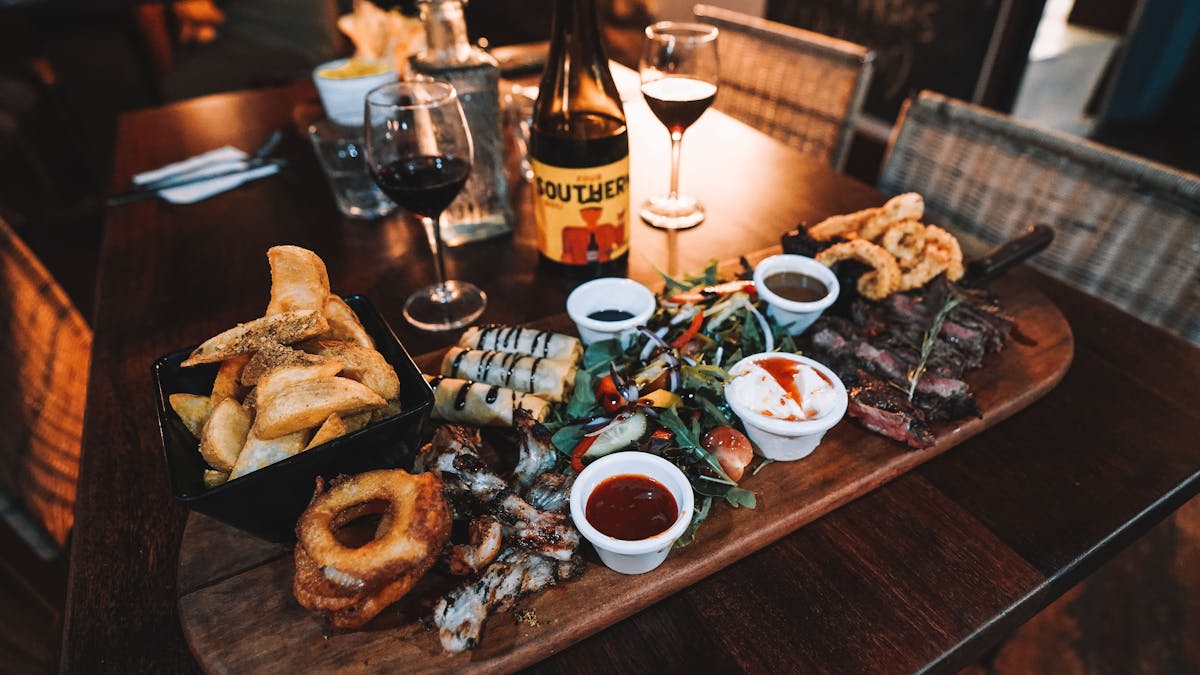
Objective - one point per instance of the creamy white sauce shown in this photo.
(755, 388)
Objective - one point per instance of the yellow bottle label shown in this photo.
(582, 214)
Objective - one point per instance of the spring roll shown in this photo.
(477, 404)
(549, 378)
(519, 340)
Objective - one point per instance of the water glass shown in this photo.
(343, 158)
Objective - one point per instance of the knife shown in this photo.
(1007, 255)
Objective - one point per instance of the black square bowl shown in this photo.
(267, 502)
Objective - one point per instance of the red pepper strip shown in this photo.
(691, 331)
(581, 450)
(711, 291)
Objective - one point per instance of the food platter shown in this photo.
(238, 613)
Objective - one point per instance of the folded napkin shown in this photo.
(211, 163)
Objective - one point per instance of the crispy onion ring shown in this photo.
(943, 245)
(354, 584)
(908, 206)
(840, 226)
(877, 284)
(904, 240)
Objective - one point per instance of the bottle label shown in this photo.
(582, 214)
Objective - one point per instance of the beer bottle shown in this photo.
(579, 149)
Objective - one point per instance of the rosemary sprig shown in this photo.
(935, 327)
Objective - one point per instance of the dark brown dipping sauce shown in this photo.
(631, 507)
(796, 286)
(610, 315)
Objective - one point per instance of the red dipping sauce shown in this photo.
(631, 507)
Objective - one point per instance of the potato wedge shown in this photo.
(283, 377)
(337, 425)
(193, 409)
(259, 452)
(224, 434)
(331, 429)
(392, 408)
(355, 422)
(213, 478)
(298, 280)
(244, 338)
(227, 384)
(273, 356)
(307, 404)
(363, 365)
(344, 323)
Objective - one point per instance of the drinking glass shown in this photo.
(678, 69)
(419, 151)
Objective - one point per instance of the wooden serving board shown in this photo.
(235, 591)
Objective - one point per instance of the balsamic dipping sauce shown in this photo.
(631, 507)
(796, 286)
(610, 315)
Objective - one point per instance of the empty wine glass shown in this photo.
(679, 70)
(419, 151)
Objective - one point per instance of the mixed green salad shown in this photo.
(664, 393)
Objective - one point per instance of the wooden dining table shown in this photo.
(927, 572)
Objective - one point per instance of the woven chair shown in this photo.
(802, 88)
(45, 348)
(1126, 230)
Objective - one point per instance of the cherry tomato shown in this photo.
(732, 448)
(607, 395)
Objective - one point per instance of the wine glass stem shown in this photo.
(676, 144)
(433, 230)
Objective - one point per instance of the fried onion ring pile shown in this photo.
(352, 585)
(903, 252)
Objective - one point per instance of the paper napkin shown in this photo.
(210, 163)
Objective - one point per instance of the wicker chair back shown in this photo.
(1126, 230)
(802, 88)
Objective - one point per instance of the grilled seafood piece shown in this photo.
(549, 533)
(551, 491)
(486, 540)
(536, 453)
(460, 615)
(453, 456)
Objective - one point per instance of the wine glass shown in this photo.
(678, 69)
(419, 151)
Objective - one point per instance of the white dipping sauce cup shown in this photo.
(787, 440)
(794, 316)
(344, 98)
(610, 293)
(621, 555)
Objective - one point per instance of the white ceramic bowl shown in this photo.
(795, 316)
(788, 440)
(344, 98)
(621, 555)
(610, 293)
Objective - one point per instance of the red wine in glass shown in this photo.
(679, 101)
(419, 149)
(425, 185)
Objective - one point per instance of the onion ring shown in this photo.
(905, 240)
(355, 584)
(945, 245)
(877, 284)
(908, 206)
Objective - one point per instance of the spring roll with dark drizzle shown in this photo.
(519, 340)
(477, 404)
(549, 378)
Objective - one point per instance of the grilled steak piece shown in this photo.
(885, 410)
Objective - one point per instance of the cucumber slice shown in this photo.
(617, 434)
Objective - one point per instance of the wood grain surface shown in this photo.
(926, 572)
(229, 611)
